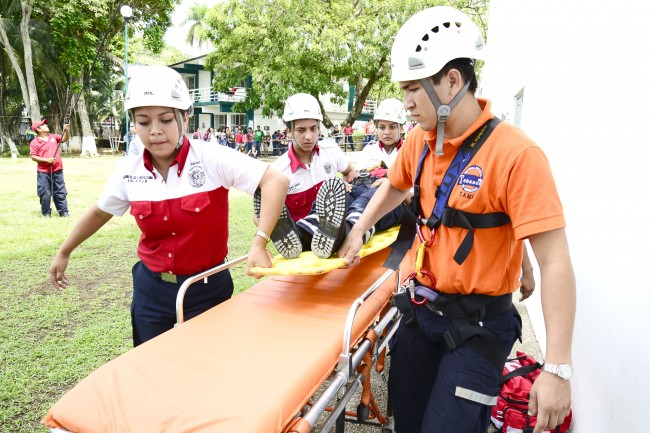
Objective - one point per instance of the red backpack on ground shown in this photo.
(510, 414)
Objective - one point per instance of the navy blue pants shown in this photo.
(153, 309)
(45, 194)
(432, 390)
(348, 140)
(360, 197)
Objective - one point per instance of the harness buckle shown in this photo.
(450, 341)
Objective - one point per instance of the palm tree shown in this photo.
(198, 33)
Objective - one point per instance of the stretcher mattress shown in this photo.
(247, 365)
(309, 263)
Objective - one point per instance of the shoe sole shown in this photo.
(285, 235)
(332, 209)
(257, 202)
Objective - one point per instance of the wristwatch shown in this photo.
(563, 371)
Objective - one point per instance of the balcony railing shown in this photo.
(206, 94)
(369, 107)
(238, 94)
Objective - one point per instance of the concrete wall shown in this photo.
(583, 68)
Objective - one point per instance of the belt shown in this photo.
(469, 306)
(168, 277)
(172, 278)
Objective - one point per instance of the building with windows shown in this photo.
(215, 109)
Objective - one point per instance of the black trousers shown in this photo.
(45, 192)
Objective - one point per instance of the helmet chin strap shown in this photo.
(179, 122)
(443, 110)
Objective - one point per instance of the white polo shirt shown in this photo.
(305, 181)
(374, 153)
(184, 220)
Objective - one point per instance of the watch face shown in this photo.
(565, 371)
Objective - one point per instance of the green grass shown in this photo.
(50, 339)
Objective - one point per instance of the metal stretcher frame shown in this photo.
(345, 379)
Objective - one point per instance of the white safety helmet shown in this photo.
(159, 86)
(391, 110)
(430, 39)
(301, 106)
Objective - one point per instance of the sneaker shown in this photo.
(286, 235)
(64, 215)
(332, 209)
(47, 215)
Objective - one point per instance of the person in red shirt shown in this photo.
(45, 150)
(177, 191)
(449, 350)
(370, 133)
(239, 140)
(347, 132)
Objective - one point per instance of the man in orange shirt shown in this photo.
(447, 356)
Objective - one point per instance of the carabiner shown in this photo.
(418, 230)
(409, 284)
(419, 303)
(419, 257)
(425, 273)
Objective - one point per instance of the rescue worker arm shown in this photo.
(550, 396)
(65, 134)
(88, 224)
(349, 173)
(527, 278)
(37, 158)
(274, 186)
(385, 199)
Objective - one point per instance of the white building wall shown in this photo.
(583, 67)
(205, 80)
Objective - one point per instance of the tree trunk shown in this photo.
(87, 138)
(361, 97)
(14, 62)
(6, 138)
(34, 108)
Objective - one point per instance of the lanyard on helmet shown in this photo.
(443, 110)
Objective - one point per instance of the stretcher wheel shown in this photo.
(363, 412)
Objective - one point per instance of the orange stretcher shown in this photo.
(251, 364)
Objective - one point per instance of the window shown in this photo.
(238, 120)
(220, 121)
(519, 103)
(193, 123)
(191, 82)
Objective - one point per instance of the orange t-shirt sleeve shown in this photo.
(533, 201)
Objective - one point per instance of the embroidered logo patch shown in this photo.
(328, 167)
(196, 176)
(471, 179)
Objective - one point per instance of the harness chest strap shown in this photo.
(442, 213)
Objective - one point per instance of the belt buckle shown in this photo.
(433, 309)
(168, 277)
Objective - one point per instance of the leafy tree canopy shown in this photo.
(79, 27)
(140, 54)
(317, 47)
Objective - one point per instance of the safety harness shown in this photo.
(466, 311)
